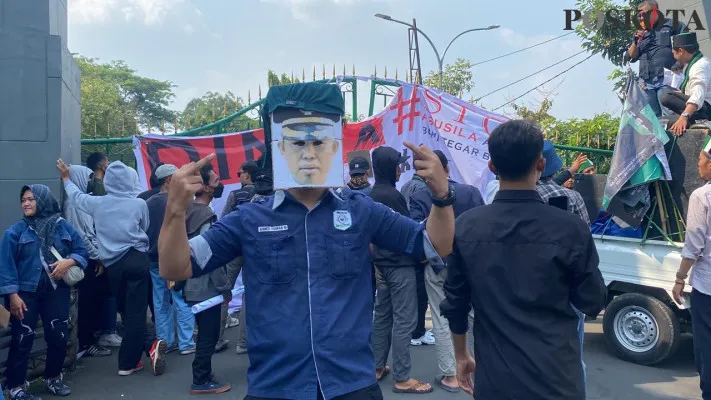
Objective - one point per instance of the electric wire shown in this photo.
(536, 87)
(533, 74)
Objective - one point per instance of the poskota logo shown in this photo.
(632, 19)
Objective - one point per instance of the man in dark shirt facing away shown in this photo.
(521, 263)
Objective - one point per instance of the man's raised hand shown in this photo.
(429, 168)
(63, 168)
(184, 184)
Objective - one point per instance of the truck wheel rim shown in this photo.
(636, 329)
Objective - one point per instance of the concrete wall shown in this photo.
(40, 111)
(702, 8)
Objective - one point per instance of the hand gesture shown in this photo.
(465, 369)
(638, 35)
(676, 292)
(227, 298)
(578, 162)
(184, 184)
(63, 169)
(17, 306)
(99, 269)
(679, 126)
(60, 268)
(429, 168)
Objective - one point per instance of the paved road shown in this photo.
(608, 377)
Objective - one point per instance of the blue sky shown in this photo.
(220, 45)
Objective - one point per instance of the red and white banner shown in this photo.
(416, 114)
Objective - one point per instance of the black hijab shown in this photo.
(46, 218)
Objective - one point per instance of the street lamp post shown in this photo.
(440, 60)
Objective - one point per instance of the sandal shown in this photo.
(414, 389)
(438, 381)
(386, 372)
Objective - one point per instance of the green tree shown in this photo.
(213, 106)
(611, 40)
(273, 79)
(456, 78)
(118, 102)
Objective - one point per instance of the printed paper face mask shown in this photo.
(307, 149)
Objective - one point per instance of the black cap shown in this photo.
(442, 158)
(683, 40)
(402, 159)
(358, 166)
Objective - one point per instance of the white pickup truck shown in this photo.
(641, 322)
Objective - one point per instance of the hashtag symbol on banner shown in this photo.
(411, 115)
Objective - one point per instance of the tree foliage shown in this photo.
(213, 106)
(118, 102)
(274, 79)
(457, 78)
(611, 40)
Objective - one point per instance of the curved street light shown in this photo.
(440, 60)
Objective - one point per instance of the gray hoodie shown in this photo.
(120, 218)
(81, 221)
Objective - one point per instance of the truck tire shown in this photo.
(640, 329)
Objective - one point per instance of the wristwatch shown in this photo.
(685, 114)
(445, 201)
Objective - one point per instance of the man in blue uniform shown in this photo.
(307, 275)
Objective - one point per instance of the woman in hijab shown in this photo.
(94, 291)
(31, 281)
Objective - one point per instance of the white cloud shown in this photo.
(148, 12)
(188, 29)
(300, 8)
(88, 11)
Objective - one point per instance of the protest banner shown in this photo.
(417, 114)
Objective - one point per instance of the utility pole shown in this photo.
(415, 67)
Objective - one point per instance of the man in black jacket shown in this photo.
(395, 307)
(522, 264)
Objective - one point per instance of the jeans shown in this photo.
(208, 323)
(52, 305)
(701, 330)
(129, 279)
(242, 327)
(395, 318)
(421, 302)
(434, 284)
(108, 324)
(652, 87)
(94, 293)
(166, 313)
(581, 337)
(370, 393)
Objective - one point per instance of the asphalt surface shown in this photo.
(608, 377)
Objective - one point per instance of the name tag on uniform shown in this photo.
(342, 220)
(273, 228)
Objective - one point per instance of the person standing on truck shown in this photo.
(696, 256)
(651, 46)
(525, 324)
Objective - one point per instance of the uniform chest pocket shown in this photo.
(664, 37)
(346, 254)
(277, 263)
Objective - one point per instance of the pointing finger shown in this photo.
(203, 162)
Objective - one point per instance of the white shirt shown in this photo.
(699, 86)
(697, 243)
(672, 79)
(491, 189)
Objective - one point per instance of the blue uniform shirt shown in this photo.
(308, 282)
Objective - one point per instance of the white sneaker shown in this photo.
(231, 322)
(112, 340)
(416, 342)
(428, 338)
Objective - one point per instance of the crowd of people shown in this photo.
(339, 279)
(124, 240)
